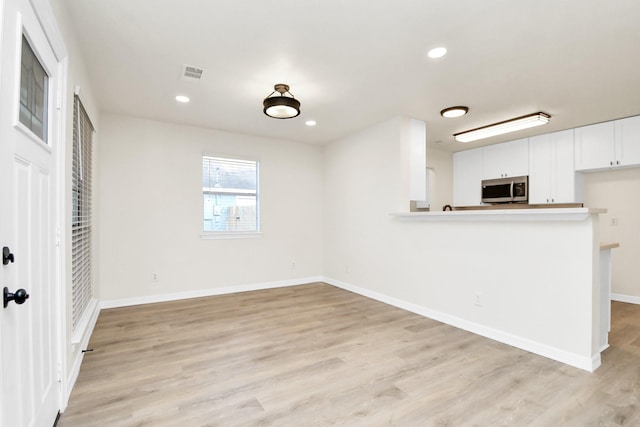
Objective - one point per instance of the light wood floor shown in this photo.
(314, 355)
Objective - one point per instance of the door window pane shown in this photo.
(34, 85)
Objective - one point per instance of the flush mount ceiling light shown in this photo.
(519, 123)
(437, 52)
(281, 106)
(454, 111)
(182, 98)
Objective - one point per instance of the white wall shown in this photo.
(362, 186)
(535, 280)
(619, 192)
(441, 185)
(151, 211)
(77, 78)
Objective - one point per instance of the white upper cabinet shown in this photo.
(594, 146)
(540, 160)
(552, 178)
(507, 159)
(608, 145)
(467, 177)
(627, 141)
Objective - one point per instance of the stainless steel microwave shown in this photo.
(506, 190)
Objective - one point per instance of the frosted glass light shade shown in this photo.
(281, 106)
(500, 128)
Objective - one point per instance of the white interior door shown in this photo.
(29, 121)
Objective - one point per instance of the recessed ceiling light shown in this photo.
(458, 111)
(437, 52)
(310, 123)
(182, 98)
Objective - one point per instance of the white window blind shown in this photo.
(230, 195)
(81, 212)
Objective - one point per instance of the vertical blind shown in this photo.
(81, 212)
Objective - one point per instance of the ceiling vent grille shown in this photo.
(190, 72)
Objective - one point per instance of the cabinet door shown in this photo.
(627, 137)
(507, 159)
(540, 174)
(564, 185)
(467, 177)
(594, 146)
(552, 177)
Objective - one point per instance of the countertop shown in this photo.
(504, 214)
(604, 246)
(503, 206)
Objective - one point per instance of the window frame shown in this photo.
(81, 218)
(232, 234)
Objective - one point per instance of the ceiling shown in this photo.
(355, 63)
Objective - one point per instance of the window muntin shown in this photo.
(34, 92)
(230, 195)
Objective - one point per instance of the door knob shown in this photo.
(7, 256)
(19, 297)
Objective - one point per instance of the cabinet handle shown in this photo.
(610, 163)
(617, 162)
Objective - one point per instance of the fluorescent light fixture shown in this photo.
(512, 125)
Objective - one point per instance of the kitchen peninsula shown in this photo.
(530, 278)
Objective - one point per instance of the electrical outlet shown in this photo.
(477, 299)
(293, 265)
(614, 221)
(154, 277)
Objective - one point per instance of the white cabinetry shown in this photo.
(627, 141)
(608, 145)
(506, 160)
(467, 177)
(594, 146)
(552, 178)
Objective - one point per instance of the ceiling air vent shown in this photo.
(189, 72)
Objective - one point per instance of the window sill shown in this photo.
(217, 235)
(86, 323)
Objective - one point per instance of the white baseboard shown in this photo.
(625, 298)
(586, 363)
(125, 302)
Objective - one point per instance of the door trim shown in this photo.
(50, 27)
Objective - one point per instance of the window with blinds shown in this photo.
(230, 195)
(81, 212)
